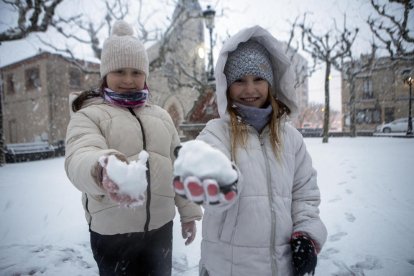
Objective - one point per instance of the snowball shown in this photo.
(131, 178)
(197, 158)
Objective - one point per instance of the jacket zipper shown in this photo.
(144, 145)
(272, 210)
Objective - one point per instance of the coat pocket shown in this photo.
(226, 231)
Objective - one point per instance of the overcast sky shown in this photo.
(233, 15)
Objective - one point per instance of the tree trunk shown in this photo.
(352, 127)
(326, 113)
(2, 151)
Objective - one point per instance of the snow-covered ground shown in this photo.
(367, 187)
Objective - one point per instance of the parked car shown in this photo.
(399, 125)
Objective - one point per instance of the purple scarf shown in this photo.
(127, 99)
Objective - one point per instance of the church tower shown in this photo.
(177, 70)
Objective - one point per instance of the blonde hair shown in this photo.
(239, 129)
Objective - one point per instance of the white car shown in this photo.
(399, 125)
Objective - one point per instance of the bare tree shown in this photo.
(84, 31)
(393, 32)
(328, 48)
(302, 71)
(33, 16)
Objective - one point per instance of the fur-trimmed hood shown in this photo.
(283, 86)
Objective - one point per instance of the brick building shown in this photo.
(380, 93)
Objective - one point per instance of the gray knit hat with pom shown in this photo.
(250, 58)
(123, 50)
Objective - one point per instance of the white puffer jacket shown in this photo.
(276, 197)
(98, 129)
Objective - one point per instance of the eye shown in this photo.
(258, 79)
(120, 71)
(239, 80)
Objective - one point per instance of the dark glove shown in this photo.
(304, 256)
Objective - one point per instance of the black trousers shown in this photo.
(134, 253)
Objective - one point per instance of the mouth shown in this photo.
(127, 88)
(250, 99)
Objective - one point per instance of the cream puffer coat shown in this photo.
(98, 129)
(277, 197)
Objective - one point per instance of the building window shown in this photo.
(10, 84)
(367, 89)
(12, 131)
(368, 116)
(32, 76)
(388, 114)
(75, 77)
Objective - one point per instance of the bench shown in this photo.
(28, 151)
(311, 132)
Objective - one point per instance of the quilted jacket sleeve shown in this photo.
(84, 145)
(306, 197)
(216, 135)
(189, 211)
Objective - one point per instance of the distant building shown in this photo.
(380, 93)
(35, 96)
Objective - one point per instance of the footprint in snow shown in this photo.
(337, 236)
(326, 253)
(370, 263)
(350, 217)
(336, 198)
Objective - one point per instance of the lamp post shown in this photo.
(409, 81)
(209, 20)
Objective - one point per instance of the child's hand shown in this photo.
(304, 256)
(204, 174)
(112, 188)
(204, 191)
(113, 191)
(188, 230)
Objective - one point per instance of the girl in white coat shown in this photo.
(267, 223)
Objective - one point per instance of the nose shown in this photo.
(128, 79)
(250, 87)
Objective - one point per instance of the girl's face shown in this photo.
(249, 90)
(125, 80)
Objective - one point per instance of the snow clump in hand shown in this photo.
(197, 158)
(131, 178)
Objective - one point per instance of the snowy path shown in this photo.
(367, 187)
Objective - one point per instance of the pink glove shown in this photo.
(188, 230)
(112, 188)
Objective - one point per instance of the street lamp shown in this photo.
(209, 20)
(409, 81)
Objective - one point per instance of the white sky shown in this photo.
(367, 206)
(232, 15)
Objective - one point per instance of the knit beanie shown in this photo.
(249, 58)
(123, 50)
